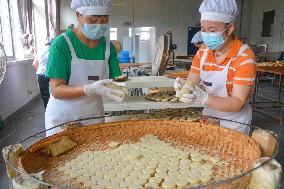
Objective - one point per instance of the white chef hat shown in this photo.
(197, 38)
(91, 7)
(219, 10)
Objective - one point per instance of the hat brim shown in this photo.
(218, 17)
(93, 10)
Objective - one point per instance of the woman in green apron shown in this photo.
(80, 63)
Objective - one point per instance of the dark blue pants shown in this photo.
(43, 83)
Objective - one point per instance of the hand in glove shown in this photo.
(100, 88)
(178, 85)
(197, 97)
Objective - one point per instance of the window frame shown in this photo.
(11, 32)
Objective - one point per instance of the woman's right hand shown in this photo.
(100, 88)
(178, 85)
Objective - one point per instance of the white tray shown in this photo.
(140, 103)
(149, 82)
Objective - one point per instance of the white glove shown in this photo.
(99, 88)
(178, 85)
(197, 97)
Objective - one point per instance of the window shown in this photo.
(130, 32)
(5, 28)
(267, 23)
(113, 34)
(145, 33)
(18, 28)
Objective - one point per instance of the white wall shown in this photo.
(18, 87)
(244, 30)
(164, 15)
(176, 15)
(276, 42)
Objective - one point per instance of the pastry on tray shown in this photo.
(119, 88)
(163, 97)
(60, 147)
(122, 78)
(276, 63)
(163, 94)
(175, 114)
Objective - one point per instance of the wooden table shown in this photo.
(181, 74)
(277, 71)
(184, 56)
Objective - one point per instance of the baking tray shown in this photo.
(26, 142)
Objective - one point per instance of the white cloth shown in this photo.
(219, 10)
(63, 111)
(197, 38)
(215, 83)
(91, 7)
(42, 60)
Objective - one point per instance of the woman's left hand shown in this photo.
(197, 97)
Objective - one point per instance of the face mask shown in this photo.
(213, 41)
(94, 31)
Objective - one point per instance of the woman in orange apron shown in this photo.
(224, 67)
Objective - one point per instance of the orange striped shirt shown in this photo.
(242, 70)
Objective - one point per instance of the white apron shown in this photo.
(82, 72)
(215, 84)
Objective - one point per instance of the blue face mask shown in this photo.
(214, 40)
(94, 31)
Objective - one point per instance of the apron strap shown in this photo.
(107, 54)
(73, 54)
(203, 58)
(107, 38)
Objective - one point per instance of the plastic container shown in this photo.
(124, 57)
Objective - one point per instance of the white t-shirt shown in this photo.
(42, 61)
(197, 38)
